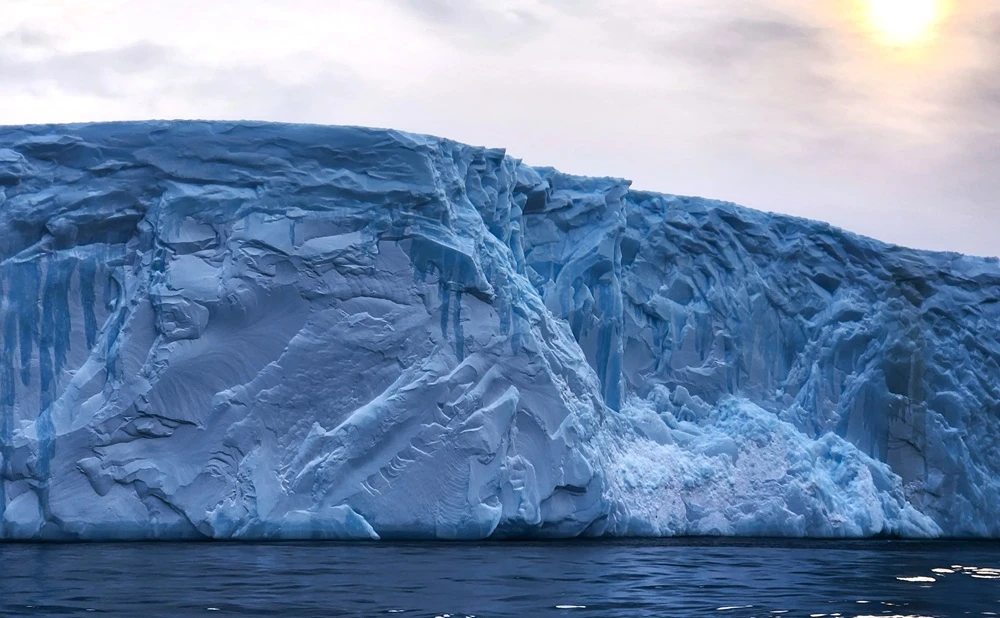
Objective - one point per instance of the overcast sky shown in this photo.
(881, 116)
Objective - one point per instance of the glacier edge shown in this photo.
(265, 331)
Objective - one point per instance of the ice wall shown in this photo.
(897, 351)
(239, 330)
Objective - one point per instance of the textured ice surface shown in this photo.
(276, 331)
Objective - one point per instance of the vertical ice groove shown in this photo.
(7, 393)
(25, 287)
(87, 281)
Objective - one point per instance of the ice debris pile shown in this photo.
(239, 330)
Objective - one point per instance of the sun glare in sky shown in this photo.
(901, 23)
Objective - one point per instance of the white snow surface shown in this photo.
(266, 331)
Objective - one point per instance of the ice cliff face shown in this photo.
(271, 331)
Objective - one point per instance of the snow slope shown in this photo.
(239, 330)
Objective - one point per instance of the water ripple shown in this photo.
(724, 578)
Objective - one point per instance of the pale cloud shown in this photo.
(780, 104)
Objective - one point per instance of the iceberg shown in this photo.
(267, 331)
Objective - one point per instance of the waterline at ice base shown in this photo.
(266, 331)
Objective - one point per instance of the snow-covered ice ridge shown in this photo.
(238, 330)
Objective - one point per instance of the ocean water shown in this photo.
(724, 578)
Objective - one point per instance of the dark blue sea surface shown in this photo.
(724, 578)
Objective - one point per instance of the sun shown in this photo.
(904, 23)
